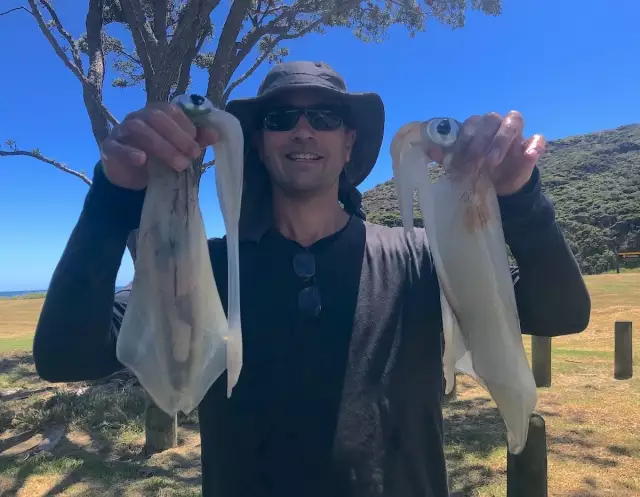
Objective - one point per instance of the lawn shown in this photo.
(592, 421)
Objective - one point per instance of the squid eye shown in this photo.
(194, 104)
(197, 100)
(441, 131)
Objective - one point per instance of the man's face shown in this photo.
(304, 160)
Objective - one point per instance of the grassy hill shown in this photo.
(594, 182)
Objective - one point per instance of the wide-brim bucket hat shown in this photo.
(366, 109)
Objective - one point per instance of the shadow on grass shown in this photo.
(474, 431)
(80, 464)
(17, 369)
(573, 439)
(103, 422)
(476, 444)
(475, 441)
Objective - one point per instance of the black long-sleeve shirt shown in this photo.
(347, 404)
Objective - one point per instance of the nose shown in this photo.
(303, 130)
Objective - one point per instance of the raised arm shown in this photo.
(76, 333)
(550, 291)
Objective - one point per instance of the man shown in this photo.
(341, 388)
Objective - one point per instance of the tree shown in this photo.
(166, 38)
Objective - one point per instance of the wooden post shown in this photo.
(623, 350)
(451, 397)
(527, 471)
(161, 430)
(541, 360)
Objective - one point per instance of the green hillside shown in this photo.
(594, 182)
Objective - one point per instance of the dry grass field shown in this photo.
(592, 421)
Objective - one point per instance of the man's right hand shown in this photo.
(160, 129)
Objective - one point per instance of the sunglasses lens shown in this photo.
(320, 118)
(304, 264)
(309, 301)
(281, 120)
(324, 119)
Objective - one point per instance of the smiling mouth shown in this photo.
(303, 157)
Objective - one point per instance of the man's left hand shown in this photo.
(500, 143)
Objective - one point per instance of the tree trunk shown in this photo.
(161, 430)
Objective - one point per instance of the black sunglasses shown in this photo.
(309, 301)
(320, 117)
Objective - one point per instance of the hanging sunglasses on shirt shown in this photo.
(309, 300)
(320, 117)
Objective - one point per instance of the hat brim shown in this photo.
(367, 118)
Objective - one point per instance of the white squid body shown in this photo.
(175, 336)
(464, 232)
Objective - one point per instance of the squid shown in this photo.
(481, 327)
(175, 336)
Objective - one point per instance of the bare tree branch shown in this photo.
(286, 16)
(160, 22)
(129, 56)
(53, 42)
(71, 65)
(282, 32)
(253, 37)
(188, 39)
(198, 12)
(185, 68)
(55, 163)
(143, 38)
(284, 22)
(219, 71)
(73, 45)
(259, 60)
(141, 21)
(92, 89)
(15, 9)
(167, 66)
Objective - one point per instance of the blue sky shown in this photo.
(570, 67)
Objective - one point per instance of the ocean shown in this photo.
(15, 293)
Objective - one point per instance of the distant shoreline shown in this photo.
(30, 294)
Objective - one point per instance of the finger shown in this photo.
(177, 114)
(534, 147)
(163, 122)
(510, 131)
(468, 131)
(113, 151)
(207, 137)
(136, 132)
(479, 146)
